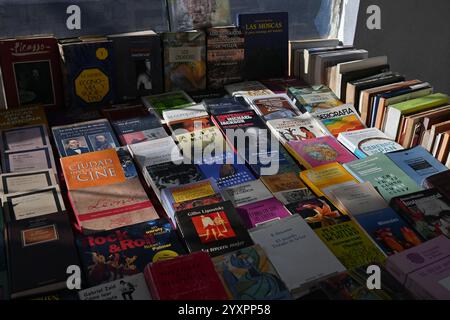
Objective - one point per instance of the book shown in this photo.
(185, 15)
(138, 64)
(298, 128)
(340, 119)
(319, 151)
(139, 129)
(128, 288)
(248, 274)
(440, 182)
(84, 137)
(31, 72)
(88, 69)
(26, 181)
(186, 113)
(115, 254)
(28, 160)
(105, 191)
(24, 138)
(247, 88)
(261, 212)
(312, 99)
(423, 269)
(426, 211)
(247, 193)
(291, 239)
(24, 116)
(287, 187)
(190, 277)
(281, 85)
(36, 242)
(275, 106)
(225, 56)
(184, 60)
(417, 163)
(224, 105)
(166, 101)
(260, 29)
(216, 229)
(389, 180)
(155, 152)
(366, 142)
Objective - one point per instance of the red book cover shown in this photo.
(190, 277)
(31, 72)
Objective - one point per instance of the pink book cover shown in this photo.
(319, 151)
(261, 212)
(424, 269)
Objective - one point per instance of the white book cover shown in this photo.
(298, 128)
(28, 160)
(24, 138)
(297, 253)
(26, 181)
(191, 112)
(154, 152)
(248, 193)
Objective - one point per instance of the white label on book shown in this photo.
(28, 161)
(33, 205)
(27, 138)
(27, 182)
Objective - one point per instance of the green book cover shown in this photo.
(422, 103)
(171, 100)
(389, 180)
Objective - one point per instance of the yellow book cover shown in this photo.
(283, 182)
(25, 116)
(194, 191)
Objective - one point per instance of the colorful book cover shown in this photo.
(260, 29)
(184, 60)
(283, 182)
(31, 72)
(89, 72)
(312, 153)
(313, 99)
(389, 180)
(248, 274)
(216, 229)
(139, 129)
(340, 119)
(84, 137)
(417, 163)
(428, 212)
(191, 204)
(225, 56)
(111, 255)
(165, 101)
(224, 105)
(276, 106)
(105, 191)
(24, 116)
(189, 277)
(261, 212)
(247, 193)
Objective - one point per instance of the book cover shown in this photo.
(184, 60)
(298, 128)
(153, 152)
(224, 105)
(247, 88)
(88, 72)
(428, 212)
(389, 180)
(216, 229)
(247, 193)
(128, 288)
(440, 182)
(313, 99)
(283, 182)
(26, 181)
(367, 142)
(340, 119)
(138, 64)
(84, 137)
(417, 163)
(24, 116)
(111, 255)
(260, 29)
(248, 274)
(190, 277)
(139, 129)
(312, 153)
(281, 85)
(36, 242)
(28, 160)
(165, 101)
(24, 138)
(105, 191)
(31, 72)
(275, 106)
(185, 15)
(225, 56)
(295, 195)
(261, 212)
(191, 204)
(175, 115)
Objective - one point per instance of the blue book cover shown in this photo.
(89, 72)
(389, 230)
(225, 105)
(266, 44)
(111, 255)
(84, 137)
(417, 163)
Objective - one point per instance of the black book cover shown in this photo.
(39, 251)
(217, 229)
(359, 74)
(166, 175)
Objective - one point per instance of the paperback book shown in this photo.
(275, 106)
(247, 193)
(340, 119)
(313, 99)
(261, 212)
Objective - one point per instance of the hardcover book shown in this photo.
(260, 29)
(248, 274)
(428, 212)
(190, 277)
(184, 60)
(84, 137)
(28, 160)
(166, 101)
(105, 191)
(111, 255)
(216, 229)
(225, 56)
(247, 193)
(312, 153)
(275, 106)
(31, 72)
(26, 181)
(313, 99)
(340, 119)
(24, 138)
(88, 72)
(261, 212)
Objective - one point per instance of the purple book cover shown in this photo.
(324, 150)
(424, 269)
(264, 211)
